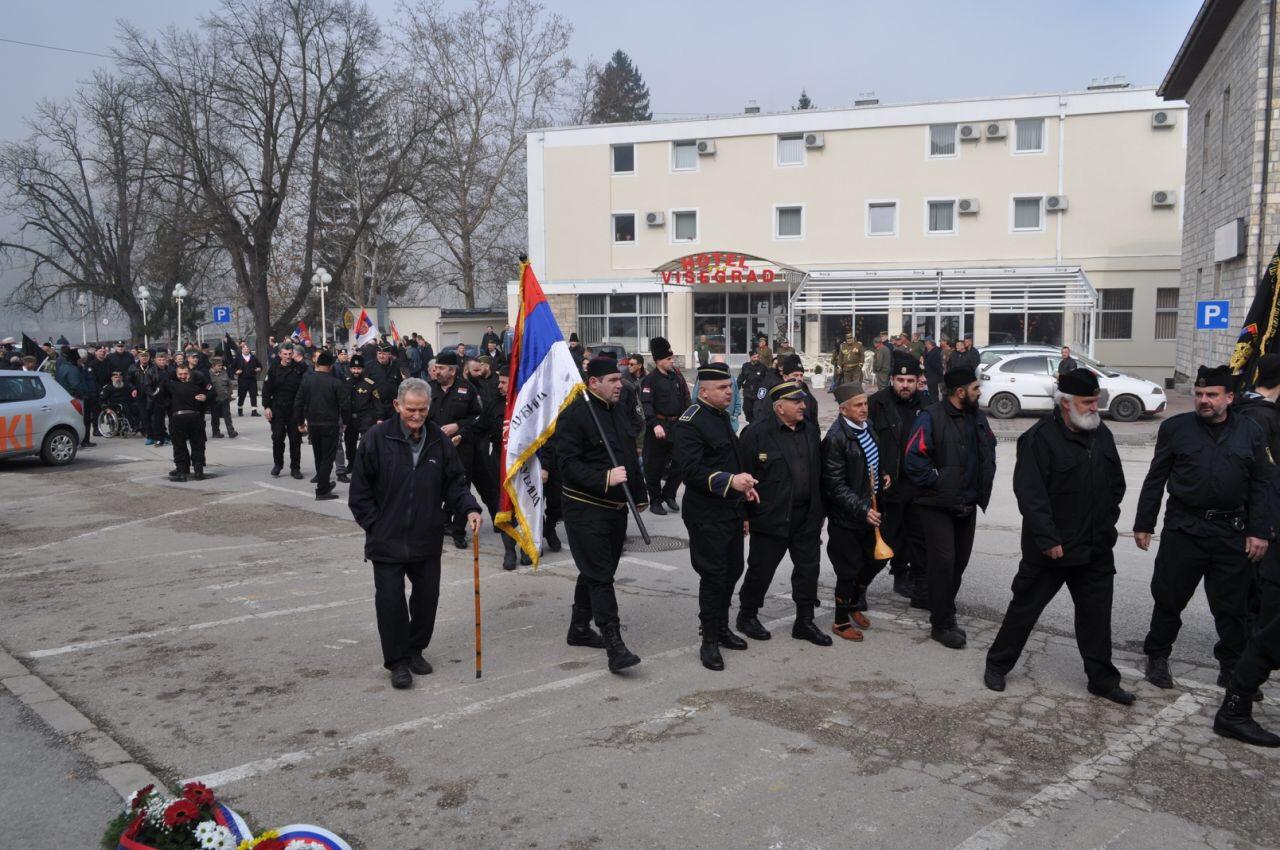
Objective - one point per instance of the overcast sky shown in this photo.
(711, 57)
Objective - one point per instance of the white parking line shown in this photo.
(284, 489)
(657, 565)
(1122, 749)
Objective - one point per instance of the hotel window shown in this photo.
(1029, 133)
(1167, 312)
(1027, 213)
(624, 228)
(1115, 314)
(942, 140)
(942, 217)
(684, 226)
(624, 159)
(882, 219)
(791, 149)
(788, 222)
(684, 156)
(629, 320)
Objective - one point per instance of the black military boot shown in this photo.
(710, 652)
(656, 508)
(509, 556)
(620, 658)
(728, 639)
(580, 631)
(1158, 673)
(902, 583)
(749, 624)
(199, 476)
(553, 539)
(1224, 681)
(805, 629)
(1235, 720)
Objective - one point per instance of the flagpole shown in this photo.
(613, 460)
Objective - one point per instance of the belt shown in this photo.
(1234, 517)
(664, 416)
(180, 412)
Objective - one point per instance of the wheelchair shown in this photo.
(115, 421)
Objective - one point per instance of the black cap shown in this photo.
(447, 358)
(787, 390)
(1215, 376)
(844, 392)
(962, 377)
(713, 372)
(356, 360)
(906, 366)
(659, 348)
(505, 371)
(384, 346)
(325, 358)
(573, 337)
(1081, 382)
(598, 367)
(789, 363)
(1267, 370)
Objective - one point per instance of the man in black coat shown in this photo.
(781, 451)
(595, 506)
(1069, 484)
(321, 408)
(934, 368)
(893, 412)
(717, 490)
(246, 366)
(1216, 526)
(790, 368)
(456, 409)
(120, 359)
(184, 396)
(664, 395)
(406, 480)
(749, 378)
(366, 410)
(278, 393)
(951, 459)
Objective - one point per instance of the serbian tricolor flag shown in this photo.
(365, 330)
(544, 380)
(395, 334)
(301, 334)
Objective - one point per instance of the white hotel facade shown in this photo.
(1045, 218)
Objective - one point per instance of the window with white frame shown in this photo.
(882, 218)
(1167, 313)
(788, 222)
(684, 156)
(942, 216)
(1115, 314)
(1028, 213)
(791, 149)
(942, 140)
(624, 159)
(624, 228)
(625, 319)
(684, 226)
(1028, 135)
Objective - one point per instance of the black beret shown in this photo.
(713, 372)
(504, 372)
(961, 377)
(789, 363)
(447, 358)
(325, 358)
(659, 348)
(787, 390)
(357, 360)
(598, 367)
(573, 337)
(1268, 370)
(384, 346)
(844, 392)
(1216, 376)
(1081, 382)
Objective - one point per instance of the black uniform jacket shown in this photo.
(366, 403)
(322, 400)
(459, 405)
(181, 395)
(1266, 415)
(891, 434)
(1229, 473)
(281, 387)
(708, 456)
(761, 405)
(846, 482)
(583, 460)
(1069, 485)
(763, 456)
(401, 507)
(663, 397)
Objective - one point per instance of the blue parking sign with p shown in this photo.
(1213, 315)
(222, 315)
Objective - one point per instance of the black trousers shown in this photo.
(553, 493)
(1262, 652)
(324, 447)
(486, 480)
(903, 536)
(1034, 587)
(405, 629)
(850, 551)
(948, 540)
(282, 426)
(247, 385)
(155, 421)
(351, 440)
(804, 542)
(1181, 562)
(595, 541)
(467, 454)
(91, 408)
(715, 550)
(220, 413)
(188, 440)
(660, 476)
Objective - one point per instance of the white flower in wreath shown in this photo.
(213, 836)
(155, 810)
(304, 844)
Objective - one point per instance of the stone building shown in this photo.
(1227, 73)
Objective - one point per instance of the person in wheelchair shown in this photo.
(122, 399)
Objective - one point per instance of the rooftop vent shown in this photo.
(866, 98)
(753, 108)
(1119, 81)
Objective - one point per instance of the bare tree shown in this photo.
(579, 94)
(498, 69)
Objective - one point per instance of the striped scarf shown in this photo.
(869, 451)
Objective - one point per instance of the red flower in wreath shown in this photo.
(198, 793)
(179, 812)
(270, 844)
(140, 798)
(131, 830)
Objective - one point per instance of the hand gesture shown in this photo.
(617, 475)
(873, 517)
(1143, 539)
(474, 521)
(744, 482)
(659, 432)
(1054, 553)
(1255, 548)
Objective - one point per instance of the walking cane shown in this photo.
(475, 563)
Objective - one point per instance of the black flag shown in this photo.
(1261, 326)
(31, 348)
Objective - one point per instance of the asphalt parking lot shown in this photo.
(224, 630)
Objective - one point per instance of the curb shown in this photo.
(114, 765)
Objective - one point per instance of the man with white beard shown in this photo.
(1069, 483)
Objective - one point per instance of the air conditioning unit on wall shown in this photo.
(968, 206)
(1055, 203)
(655, 219)
(814, 141)
(706, 147)
(996, 130)
(1163, 118)
(969, 132)
(1164, 198)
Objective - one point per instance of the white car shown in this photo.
(38, 417)
(1025, 380)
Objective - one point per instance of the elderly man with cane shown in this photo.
(406, 479)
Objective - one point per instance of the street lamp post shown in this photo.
(180, 292)
(84, 332)
(321, 280)
(143, 297)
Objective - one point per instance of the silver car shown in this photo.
(38, 417)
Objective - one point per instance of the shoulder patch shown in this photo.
(462, 390)
(689, 413)
(368, 380)
(760, 393)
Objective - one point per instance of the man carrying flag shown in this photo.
(395, 335)
(365, 330)
(302, 335)
(1261, 329)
